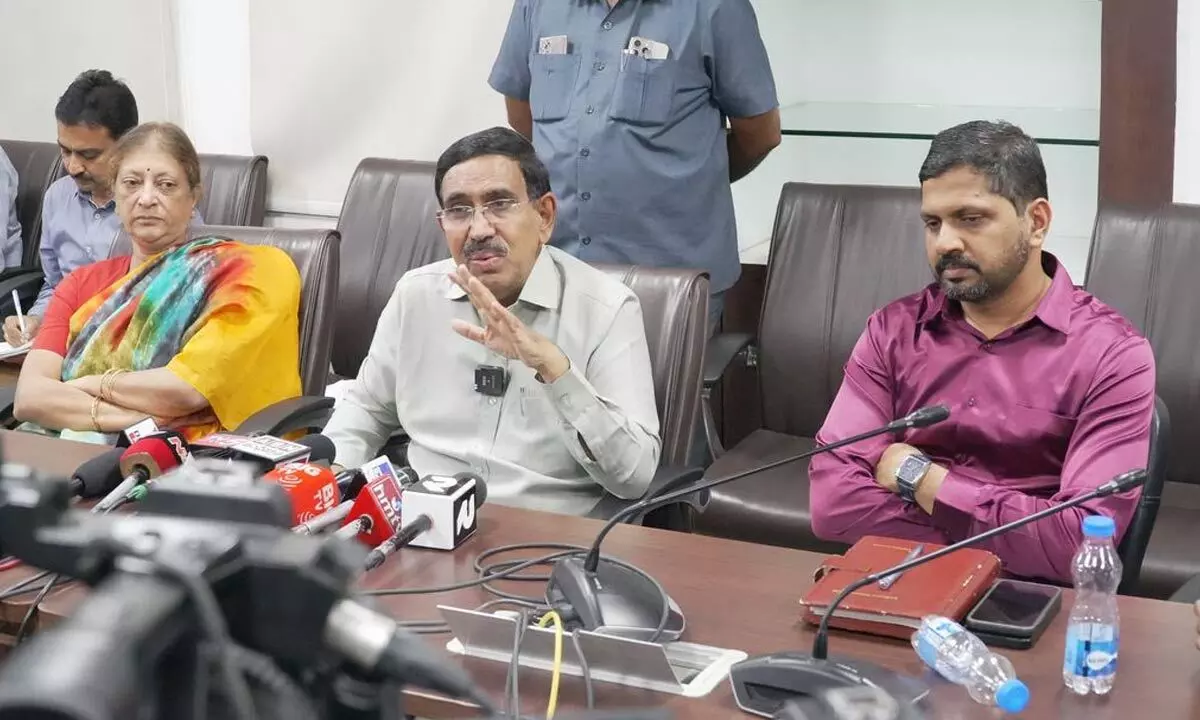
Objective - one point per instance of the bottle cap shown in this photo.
(1012, 696)
(1099, 526)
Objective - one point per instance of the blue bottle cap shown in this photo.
(1012, 696)
(1099, 526)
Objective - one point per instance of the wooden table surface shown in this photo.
(735, 595)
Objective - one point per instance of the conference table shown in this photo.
(734, 594)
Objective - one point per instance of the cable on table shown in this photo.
(556, 673)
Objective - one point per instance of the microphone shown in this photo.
(263, 451)
(147, 458)
(816, 670)
(312, 489)
(1119, 484)
(352, 483)
(445, 510)
(619, 600)
(450, 502)
(98, 476)
(375, 511)
(403, 537)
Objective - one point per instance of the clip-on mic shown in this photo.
(805, 675)
(617, 599)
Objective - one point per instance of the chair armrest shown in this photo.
(718, 356)
(667, 479)
(307, 412)
(27, 283)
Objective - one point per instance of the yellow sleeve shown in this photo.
(245, 354)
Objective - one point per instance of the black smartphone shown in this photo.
(1014, 613)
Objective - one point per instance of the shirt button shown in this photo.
(608, 25)
(971, 402)
(589, 109)
(585, 196)
(599, 66)
(585, 152)
(586, 241)
(988, 346)
(491, 401)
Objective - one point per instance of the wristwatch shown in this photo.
(910, 474)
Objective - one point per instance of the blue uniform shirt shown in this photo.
(636, 147)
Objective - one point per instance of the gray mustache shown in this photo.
(494, 247)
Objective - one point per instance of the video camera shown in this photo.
(207, 577)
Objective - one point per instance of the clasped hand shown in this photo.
(504, 333)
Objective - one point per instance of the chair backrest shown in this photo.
(316, 255)
(235, 189)
(838, 253)
(1144, 263)
(1137, 536)
(38, 165)
(675, 311)
(388, 227)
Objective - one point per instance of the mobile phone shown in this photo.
(1014, 613)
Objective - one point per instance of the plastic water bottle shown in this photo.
(962, 658)
(1093, 628)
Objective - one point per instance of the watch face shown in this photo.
(912, 469)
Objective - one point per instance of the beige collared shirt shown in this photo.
(555, 446)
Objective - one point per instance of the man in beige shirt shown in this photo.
(512, 360)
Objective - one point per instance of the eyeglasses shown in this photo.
(461, 216)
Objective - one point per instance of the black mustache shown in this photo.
(946, 262)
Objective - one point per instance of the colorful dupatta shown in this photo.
(222, 315)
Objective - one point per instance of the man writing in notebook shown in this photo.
(1051, 392)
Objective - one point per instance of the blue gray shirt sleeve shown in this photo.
(742, 83)
(51, 270)
(510, 73)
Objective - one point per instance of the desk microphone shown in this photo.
(440, 513)
(616, 599)
(147, 458)
(378, 473)
(97, 476)
(794, 673)
(311, 488)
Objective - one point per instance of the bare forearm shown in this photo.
(749, 142)
(158, 392)
(60, 406)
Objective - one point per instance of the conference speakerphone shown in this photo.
(678, 668)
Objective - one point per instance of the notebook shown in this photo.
(948, 586)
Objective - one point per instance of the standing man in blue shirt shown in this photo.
(626, 102)
(79, 220)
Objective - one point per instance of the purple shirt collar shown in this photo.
(1054, 310)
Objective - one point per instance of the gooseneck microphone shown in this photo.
(923, 417)
(611, 597)
(1119, 484)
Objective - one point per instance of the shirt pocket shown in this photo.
(552, 86)
(645, 90)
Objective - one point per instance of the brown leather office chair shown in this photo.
(838, 253)
(675, 310)
(38, 165)
(388, 226)
(235, 189)
(1143, 263)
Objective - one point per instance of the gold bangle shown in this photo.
(96, 414)
(107, 381)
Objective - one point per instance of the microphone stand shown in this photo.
(629, 603)
(1119, 484)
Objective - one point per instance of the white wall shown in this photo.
(1187, 104)
(920, 67)
(44, 44)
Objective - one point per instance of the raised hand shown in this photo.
(504, 333)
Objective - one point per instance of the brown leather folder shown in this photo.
(948, 586)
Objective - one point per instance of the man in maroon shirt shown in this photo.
(1051, 392)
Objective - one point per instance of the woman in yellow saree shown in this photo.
(197, 333)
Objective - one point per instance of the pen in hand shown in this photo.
(20, 317)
